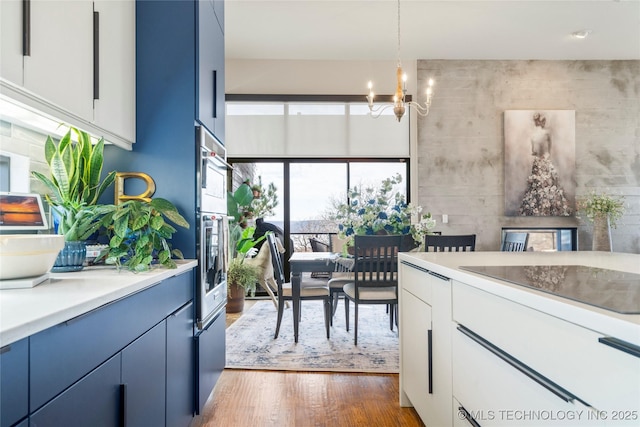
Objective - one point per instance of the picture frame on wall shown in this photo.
(539, 162)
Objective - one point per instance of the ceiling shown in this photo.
(449, 29)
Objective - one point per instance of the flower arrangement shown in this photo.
(602, 205)
(376, 210)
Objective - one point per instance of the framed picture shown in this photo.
(539, 162)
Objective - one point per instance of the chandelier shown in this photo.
(399, 98)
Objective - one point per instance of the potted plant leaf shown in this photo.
(74, 188)
(139, 234)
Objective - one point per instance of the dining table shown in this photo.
(306, 262)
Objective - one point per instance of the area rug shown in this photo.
(250, 342)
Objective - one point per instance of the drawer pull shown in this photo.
(123, 405)
(430, 361)
(439, 276)
(618, 344)
(463, 413)
(414, 266)
(545, 382)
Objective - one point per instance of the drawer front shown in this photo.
(570, 355)
(14, 382)
(494, 393)
(416, 280)
(63, 354)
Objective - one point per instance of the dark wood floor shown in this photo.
(244, 398)
(252, 398)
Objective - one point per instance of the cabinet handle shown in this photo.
(5, 349)
(462, 412)
(414, 266)
(26, 27)
(545, 382)
(430, 356)
(96, 55)
(618, 344)
(123, 405)
(215, 94)
(439, 276)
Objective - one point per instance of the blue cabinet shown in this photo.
(210, 91)
(112, 366)
(92, 401)
(180, 367)
(14, 385)
(211, 359)
(143, 379)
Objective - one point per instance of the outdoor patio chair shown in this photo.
(515, 242)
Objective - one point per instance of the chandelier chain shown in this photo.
(399, 33)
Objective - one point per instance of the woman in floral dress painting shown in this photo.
(544, 196)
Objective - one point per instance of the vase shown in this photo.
(235, 299)
(601, 233)
(71, 257)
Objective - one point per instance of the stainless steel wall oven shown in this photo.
(212, 248)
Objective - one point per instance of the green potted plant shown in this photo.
(139, 234)
(242, 277)
(74, 189)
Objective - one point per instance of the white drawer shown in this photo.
(569, 355)
(495, 393)
(415, 280)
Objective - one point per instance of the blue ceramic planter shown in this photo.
(71, 257)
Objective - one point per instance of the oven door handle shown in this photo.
(213, 157)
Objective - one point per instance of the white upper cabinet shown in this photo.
(74, 61)
(11, 40)
(60, 65)
(115, 99)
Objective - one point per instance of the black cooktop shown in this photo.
(613, 290)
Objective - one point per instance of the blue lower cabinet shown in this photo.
(144, 379)
(14, 382)
(210, 351)
(92, 401)
(180, 367)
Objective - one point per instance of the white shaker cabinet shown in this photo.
(73, 61)
(115, 97)
(59, 67)
(425, 344)
(11, 41)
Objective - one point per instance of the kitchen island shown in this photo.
(99, 347)
(479, 349)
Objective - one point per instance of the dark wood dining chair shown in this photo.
(450, 243)
(375, 273)
(515, 242)
(308, 291)
(319, 246)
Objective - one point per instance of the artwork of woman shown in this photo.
(544, 196)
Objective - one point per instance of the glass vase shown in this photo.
(601, 233)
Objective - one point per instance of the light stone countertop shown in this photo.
(24, 312)
(623, 326)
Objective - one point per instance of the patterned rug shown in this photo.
(250, 342)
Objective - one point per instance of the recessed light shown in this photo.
(581, 34)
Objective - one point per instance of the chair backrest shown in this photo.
(376, 260)
(444, 243)
(515, 242)
(318, 246)
(276, 261)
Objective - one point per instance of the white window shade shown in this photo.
(313, 130)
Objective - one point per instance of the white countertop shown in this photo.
(24, 312)
(622, 326)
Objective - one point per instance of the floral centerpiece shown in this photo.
(380, 210)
